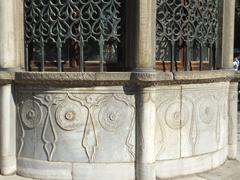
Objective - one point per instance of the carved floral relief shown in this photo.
(55, 114)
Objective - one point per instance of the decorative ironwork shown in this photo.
(237, 24)
(186, 25)
(238, 8)
(87, 25)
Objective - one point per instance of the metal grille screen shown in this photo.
(186, 31)
(237, 26)
(60, 32)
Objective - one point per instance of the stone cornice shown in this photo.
(69, 79)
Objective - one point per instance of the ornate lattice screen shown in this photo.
(186, 33)
(237, 25)
(63, 33)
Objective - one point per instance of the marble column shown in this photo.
(228, 34)
(11, 35)
(8, 131)
(145, 133)
(143, 39)
(233, 120)
(11, 59)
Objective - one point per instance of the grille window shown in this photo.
(186, 34)
(237, 27)
(73, 35)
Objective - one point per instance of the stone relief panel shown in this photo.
(206, 131)
(191, 120)
(80, 125)
(168, 124)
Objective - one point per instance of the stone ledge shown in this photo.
(6, 77)
(117, 78)
(227, 75)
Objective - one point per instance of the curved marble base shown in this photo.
(68, 171)
(101, 132)
(191, 165)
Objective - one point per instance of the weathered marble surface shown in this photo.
(79, 125)
(233, 120)
(7, 131)
(96, 127)
(11, 35)
(6, 77)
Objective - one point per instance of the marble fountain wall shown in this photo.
(83, 126)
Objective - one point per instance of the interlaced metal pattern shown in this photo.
(237, 25)
(185, 23)
(78, 21)
(238, 8)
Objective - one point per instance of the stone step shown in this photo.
(229, 171)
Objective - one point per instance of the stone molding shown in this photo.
(6, 78)
(146, 79)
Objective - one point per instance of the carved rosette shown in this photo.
(68, 115)
(111, 115)
(176, 118)
(31, 114)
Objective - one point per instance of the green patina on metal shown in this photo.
(237, 25)
(192, 24)
(85, 22)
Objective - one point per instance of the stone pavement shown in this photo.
(229, 171)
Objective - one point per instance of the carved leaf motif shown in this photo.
(218, 127)
(207, 112)
(130, 143)
(90, 138)
(20, 132)
(193, 133)
(49, 135)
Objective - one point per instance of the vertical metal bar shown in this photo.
(42, 55)
(200, 63)
(163, 65)
(173, 61)
(214, 56)
(210, 57)
(188, 58)
(26, 58)
(59, 54)
(81, 58)
(101, 44)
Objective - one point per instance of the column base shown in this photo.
(232, 151)
(8, 165)
(145, 171)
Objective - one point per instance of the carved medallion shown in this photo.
(176, 118)
(68, 115)
(111, 115)
(31, 114)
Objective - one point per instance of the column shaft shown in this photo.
(11, 34)
(145, 40)
(145, 132)
(228, 34)
(7, 131)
